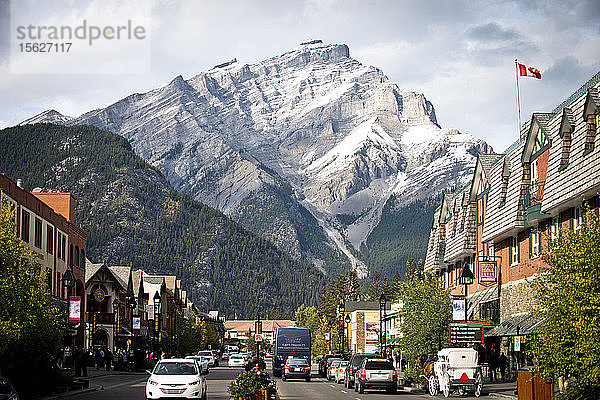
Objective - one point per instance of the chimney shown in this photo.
(19, 183)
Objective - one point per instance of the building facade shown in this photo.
(45, 222)
(515, 205)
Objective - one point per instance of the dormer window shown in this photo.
(590, 115)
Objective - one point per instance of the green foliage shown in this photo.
(31, 324)
(426, 312)
(414, 374)
(308, 317)
(132, 214)
(247, 383)
(569, 295)
(402, 234)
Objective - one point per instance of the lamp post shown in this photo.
(382, 303)
(348, 320)
(68, 280)
(341, 310)
(156, 299)
(466, 278)
(116, 326)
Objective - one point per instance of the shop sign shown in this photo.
(517, 343)
(74, 308)
(487, 271)
(458, 308)
(465, 332)
(136, 323)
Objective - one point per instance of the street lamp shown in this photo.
(68, 280)
(382, 302)
(466, 278)
(116, 327)
(348, 320)
(341, 325)
(156, 299)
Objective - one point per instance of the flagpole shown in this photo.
(518, 99)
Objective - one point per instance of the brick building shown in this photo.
(515, 203)
(46, 223)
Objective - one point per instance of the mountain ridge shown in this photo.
(339, 133)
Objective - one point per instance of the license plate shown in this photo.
(298, 369)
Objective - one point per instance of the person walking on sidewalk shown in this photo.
(503, 364)
(108, 357)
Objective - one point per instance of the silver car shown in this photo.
(202, 362)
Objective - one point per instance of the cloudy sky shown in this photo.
(460, 54)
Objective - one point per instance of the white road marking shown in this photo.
(334, 386)
(343, 391)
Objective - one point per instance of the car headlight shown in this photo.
(151, 382)
(194, 383)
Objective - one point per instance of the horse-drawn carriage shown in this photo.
(455, 369)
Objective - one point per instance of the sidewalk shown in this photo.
(501, 390)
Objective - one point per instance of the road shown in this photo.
(132, 387)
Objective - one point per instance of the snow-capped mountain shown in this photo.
(48, 116)
(311, 129)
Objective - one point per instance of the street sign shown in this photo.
(458, 307)
(517, 342)
(465, 332)
(487, 271)
(327, 336)
(258, 337)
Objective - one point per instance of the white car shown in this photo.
(202, 362)
(176, 377)
(236, 360)
(209, 355)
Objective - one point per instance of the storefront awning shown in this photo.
(516, 325)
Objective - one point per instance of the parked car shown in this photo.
(216, 355)
(296, 368)
(202, 363)
(7, 391)
(355, 362)
(225, 355)
(176, 377)
(323, 363)
(208, 355)
(236, 360)
(340, 371)
(376, 373)
(333, 365)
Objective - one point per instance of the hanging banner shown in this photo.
(517, 341)
(136, 323)
(487, 271)
(458, 308)
(74, 308)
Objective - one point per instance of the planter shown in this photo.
(261, 394)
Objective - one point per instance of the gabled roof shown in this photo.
(482, 170)
(90, 269)
(137, 281)
(567, 122)
(121, 273)
(592, 103)
(539, 123)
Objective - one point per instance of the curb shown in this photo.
(73, 393)
(503, 396)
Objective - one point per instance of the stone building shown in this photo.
(516, 203)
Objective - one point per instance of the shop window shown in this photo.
(38, 234)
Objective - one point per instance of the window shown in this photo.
(592, 121)
(25, 226)
(535, 243)
(71, 254)
(491, 251)
(534, 171)
(63, 247)
(554, 229)
(38, 233)
(514, 251)
(577, 218)
(82, 259)
(480, 211)
(76, 259)
(49, 279)
(50, 239)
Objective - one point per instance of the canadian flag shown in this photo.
(529, 71)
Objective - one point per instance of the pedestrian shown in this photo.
(77, 361)
(108, 357)
(98, 359)
(493, 364)
(503, 364)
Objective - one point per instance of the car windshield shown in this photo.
(297, 362)
(378, 365)
(205, 353)
(175, 368)
(237, 356)
(344, 364)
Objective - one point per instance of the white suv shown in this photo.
(176, 377)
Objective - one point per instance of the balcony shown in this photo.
(441, 252)
(533, 201)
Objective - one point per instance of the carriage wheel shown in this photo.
(462, 390)
(446, 387)
(434, 386)
(478, 384)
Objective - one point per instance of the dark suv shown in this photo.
(376, 373)
(323, 363)
(355, 362)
